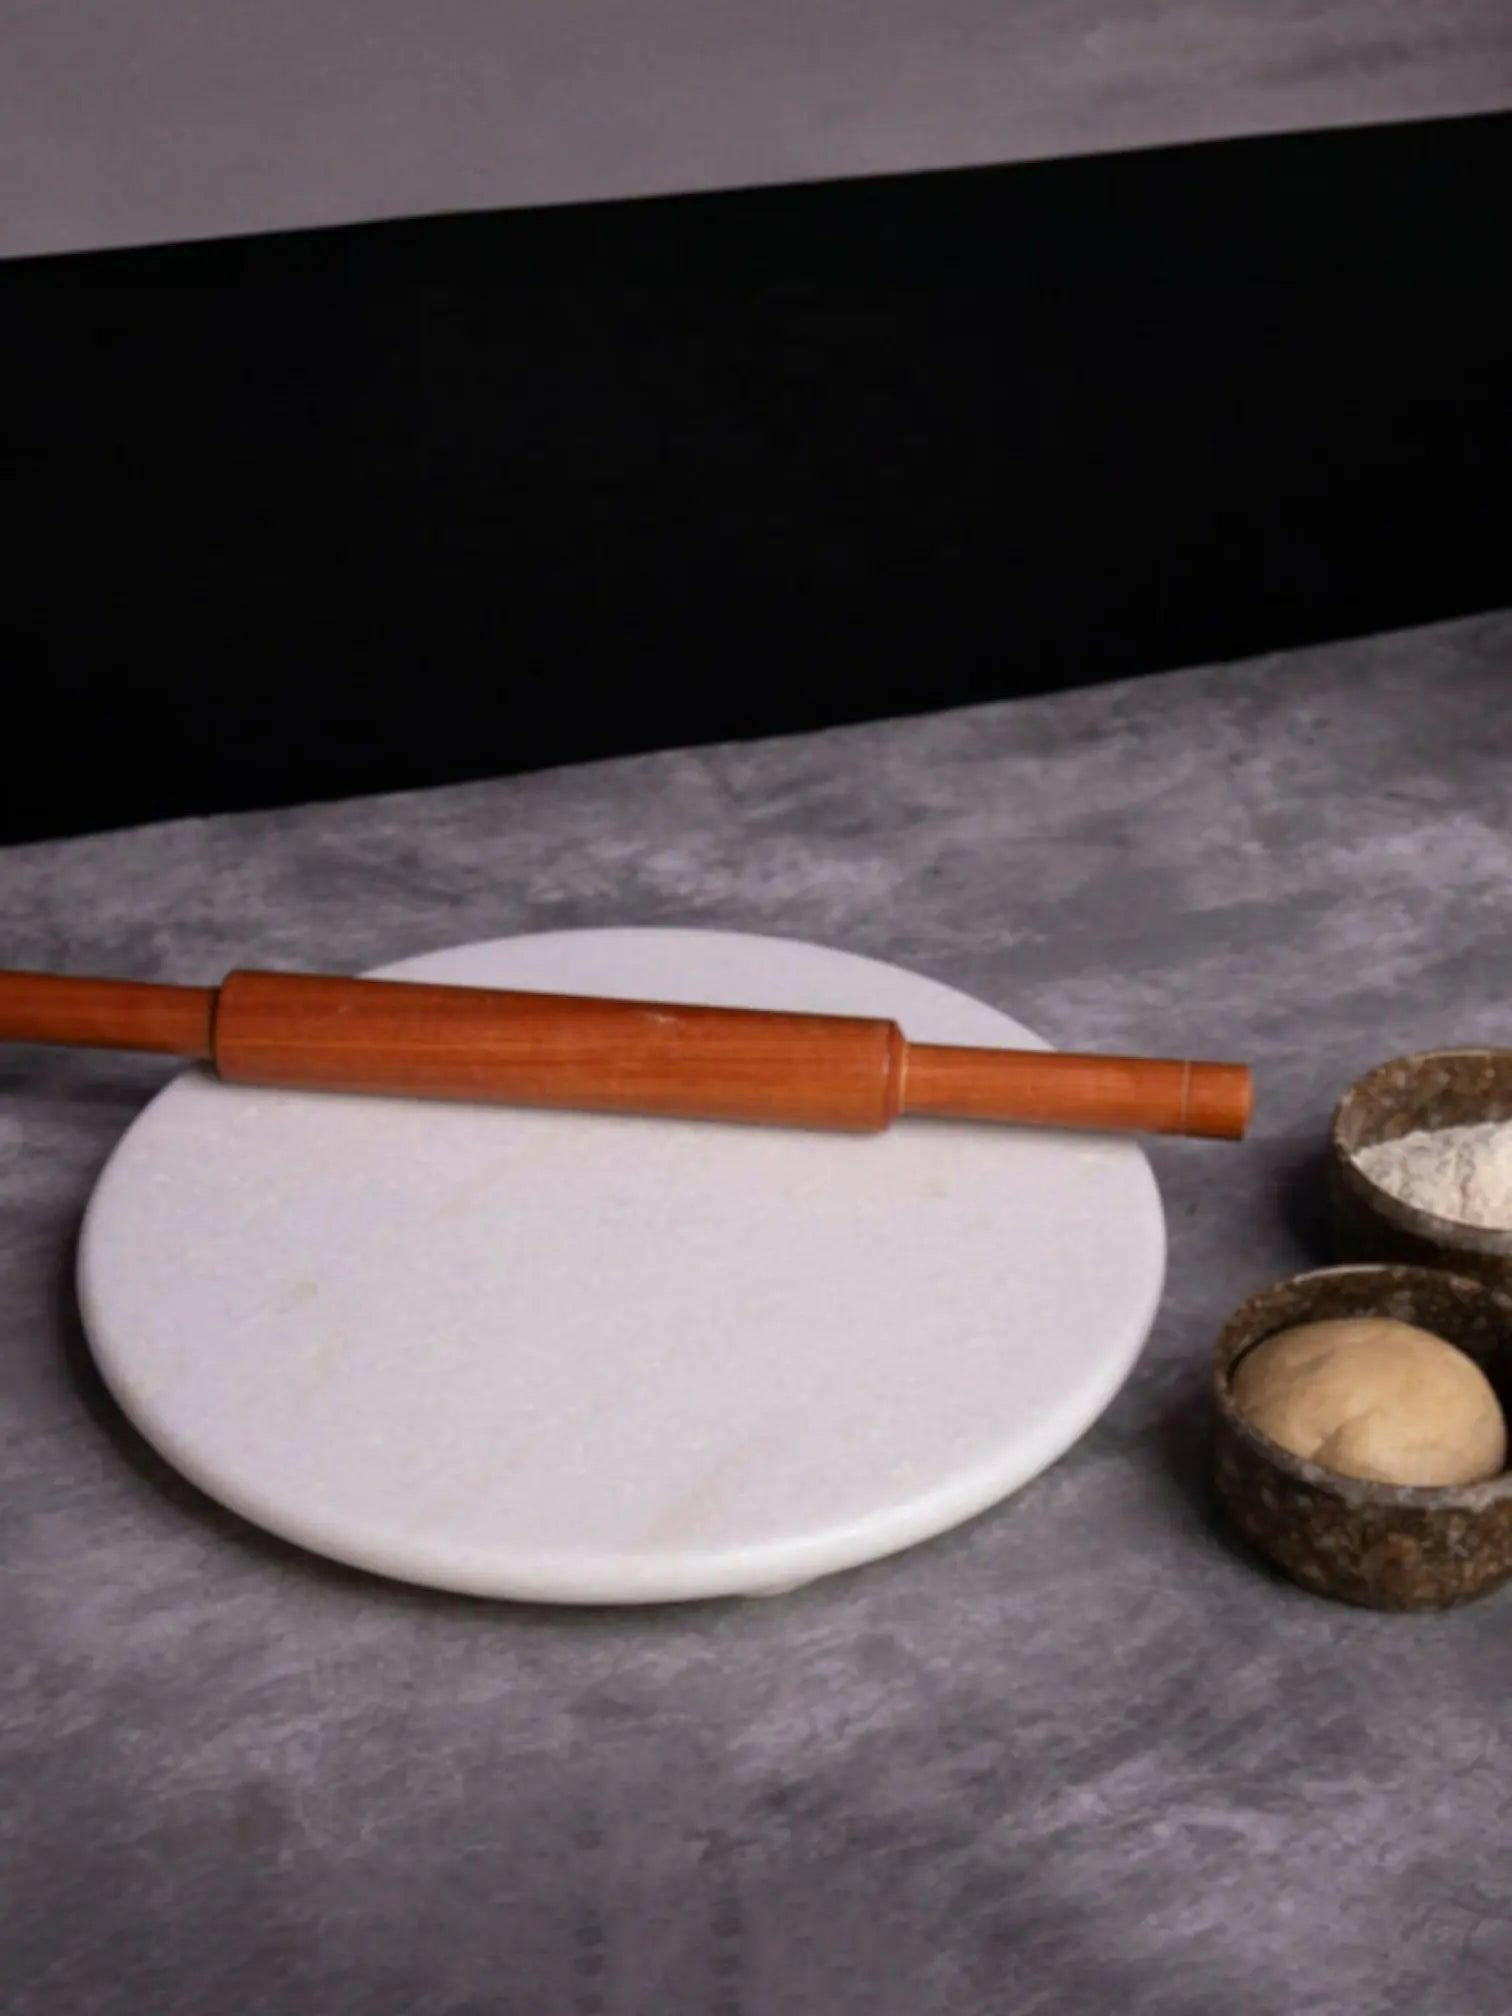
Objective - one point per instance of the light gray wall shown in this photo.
(134, 121)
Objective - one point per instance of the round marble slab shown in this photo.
(573, 1358)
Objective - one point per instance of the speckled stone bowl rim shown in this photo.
(1451, 1235)
(1348, 1490)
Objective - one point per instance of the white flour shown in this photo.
(1456, 1172)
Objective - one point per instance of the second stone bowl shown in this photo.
(1387, 1546)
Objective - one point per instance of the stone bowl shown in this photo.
(1433, 1088)
(1386, 1546)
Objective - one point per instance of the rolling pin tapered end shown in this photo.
(1219, 1101)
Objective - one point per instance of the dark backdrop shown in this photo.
(340, 511)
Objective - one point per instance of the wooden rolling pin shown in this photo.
(837, 1071)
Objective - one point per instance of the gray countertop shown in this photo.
(1082, 1752)
(123, 122)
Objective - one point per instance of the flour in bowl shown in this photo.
(1456, 1172)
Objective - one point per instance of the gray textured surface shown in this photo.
(124, 122)
(1081, 1753)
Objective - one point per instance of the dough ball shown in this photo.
(1369, 1397)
